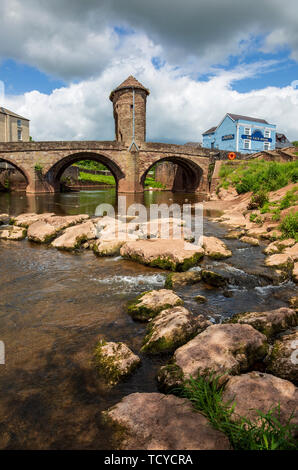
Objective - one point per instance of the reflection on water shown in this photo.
(54, 306)
(72, 203)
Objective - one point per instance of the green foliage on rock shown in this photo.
(268, 434)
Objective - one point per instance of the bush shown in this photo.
(289, 226)
(258, 200)
(289, 199)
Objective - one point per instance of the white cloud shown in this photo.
(73, 39)
(179, 108)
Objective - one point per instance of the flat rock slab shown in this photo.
(45, 230)
(258, 232)
(227, 349)
(250, 240)
(283, 359)
(115, 361)
(281, 261)
(108, 248)
(234, 234)
(175, 255)
(258, 391)
(13, 233)
(215, 248)
(174, 280)
(269, 323)
(149, 304)
(25, 220)
(74, 236)
(292, 251)
(172, 328)
(153, 421)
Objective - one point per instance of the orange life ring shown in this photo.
(232, 156)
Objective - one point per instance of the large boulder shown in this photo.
(108, 248)
(175, 255)
(227, 349)
(215, 248)
(250, 240)
(13, 233)
(153, 421)
(270, 322)
(149, 304)
(73, 237)
(171, 328)
(114, 361)
(283, 359)
(25, 220)
(45, 230)
(258, 391)
(213, 279)
(174, 280)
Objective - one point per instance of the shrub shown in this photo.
(258, 200)
(289, 199)
(252, 217)
(206, 397)
(289, 226)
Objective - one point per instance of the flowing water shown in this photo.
(54, 306)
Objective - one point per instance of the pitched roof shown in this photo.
(130, 82)
(237, 117)
(11, 113)
(210, 131)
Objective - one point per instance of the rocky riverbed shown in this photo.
(71, 288)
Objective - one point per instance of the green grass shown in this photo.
(289, 226)
(270, 434)
(103, 179)
(150, 182)
(258, 175)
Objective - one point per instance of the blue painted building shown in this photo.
(243, 134)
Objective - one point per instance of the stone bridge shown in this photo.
(129, 157)
(42, 163)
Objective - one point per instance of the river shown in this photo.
(54, 306)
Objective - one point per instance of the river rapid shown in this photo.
(54, 306)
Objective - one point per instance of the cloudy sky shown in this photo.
(59, 60)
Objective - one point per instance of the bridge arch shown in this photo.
(19, 168)
(187, 176)
(54, 173)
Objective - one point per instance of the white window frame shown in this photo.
(267, 144)
(267, 133)
(248, 142)
(20, 136)
(19, 123)
(247, 130)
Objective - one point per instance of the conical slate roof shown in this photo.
(130, 82)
